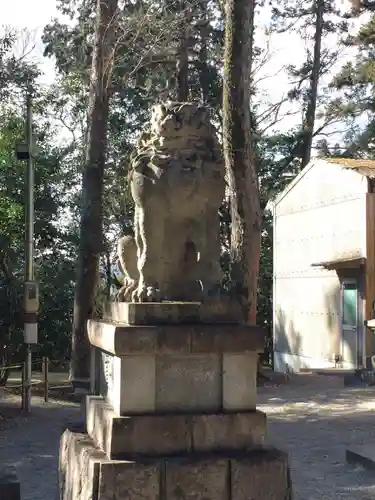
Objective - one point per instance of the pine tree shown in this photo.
(239, 153)
(317, 20)
(91, 239)
(354, 104)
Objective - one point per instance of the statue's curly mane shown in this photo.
(177, 184)
(180, 131)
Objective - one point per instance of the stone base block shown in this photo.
(153, 435)
(178, 383)
(9, 484)
(211, 310)
(121, 340)
(86, 473)
(362, 455)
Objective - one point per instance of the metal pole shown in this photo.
(45, 378)
(29, 239)
(23, 386)
(29, 248)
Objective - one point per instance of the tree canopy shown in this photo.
(161, 49)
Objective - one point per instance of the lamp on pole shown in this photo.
(26, 153)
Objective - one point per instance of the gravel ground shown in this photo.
(32, 444)
(315, 425)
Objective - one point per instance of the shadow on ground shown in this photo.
(316, 426)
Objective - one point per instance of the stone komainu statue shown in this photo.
(177, 183)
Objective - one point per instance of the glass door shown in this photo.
(349, 323)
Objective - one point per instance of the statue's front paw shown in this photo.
(146, 294)
(125, 292)
(119, 297)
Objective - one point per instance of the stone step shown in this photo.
(155, 435)
(86, 472)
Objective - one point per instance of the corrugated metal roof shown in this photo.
(363, 167)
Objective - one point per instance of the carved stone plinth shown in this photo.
(175, 411)
(121, 339)
(86, 472)
(165, 383)
(211, 310)
(170, 368)
(123, 437)
(9, 484)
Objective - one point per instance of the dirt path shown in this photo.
(32, 444)
(316, 426)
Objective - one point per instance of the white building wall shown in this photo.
(321, 218)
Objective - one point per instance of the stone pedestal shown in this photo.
(9, 484)
(176, 410)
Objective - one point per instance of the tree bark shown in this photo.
(182, 64)
(239, 154)
(308, 128)
(203, 66)
(367, 4)
(91, 240)
(182, 69)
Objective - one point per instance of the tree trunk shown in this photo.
(108, 272)
(239, 155)
(367, 4)
(92, 191)
(203, 69)
(182, 64)
(182, 69)
(308, 128)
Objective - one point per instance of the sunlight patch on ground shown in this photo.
(318, 405)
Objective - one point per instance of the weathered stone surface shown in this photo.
(128, 383)
(239, 381)
(196, 480)
(261, 474)
(77, 467)
(220, 309)
(136, 481)
(174, 339)
(156, 435)
(9, 484)
(137, 384)
(86, 473)
(228, 431)
(211, 310)
(153, 313)
(177, 184)
(188, 382)
(149, 435)
(363, 455)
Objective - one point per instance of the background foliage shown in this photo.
(149, 38)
